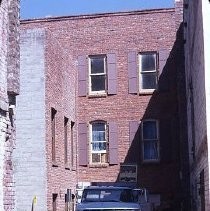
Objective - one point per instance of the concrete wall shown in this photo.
(30, 152)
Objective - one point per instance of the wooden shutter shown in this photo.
(113, 143)
(132, 72)
(82, 140)
(133, 128)
(163, 79)
(82, 75)
(165, 140)
(112, 73)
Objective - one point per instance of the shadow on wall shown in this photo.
(160, 160)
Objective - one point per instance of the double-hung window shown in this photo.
(53, 128)
(150, 140)
(98, 142)
(147, 71)
(97, 74)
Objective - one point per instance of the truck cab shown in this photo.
(99, 198)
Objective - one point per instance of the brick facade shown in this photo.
(69, 41)
(197, 89)
(9, 88)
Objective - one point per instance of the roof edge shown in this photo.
(97, 15)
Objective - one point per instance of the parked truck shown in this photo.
(106, 198)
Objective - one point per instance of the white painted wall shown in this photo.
(206, 29)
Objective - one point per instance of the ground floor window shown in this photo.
(150, 140)
(98, 142)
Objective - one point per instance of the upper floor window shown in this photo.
(66, 140)
(53, 128)
(97, 74)
(147, 71)
(150, 140)
(98, 142)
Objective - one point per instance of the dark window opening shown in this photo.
(97, 73)
(148, 71)
(54, 204)
(66, 140)
(72, 143)
(53, 128)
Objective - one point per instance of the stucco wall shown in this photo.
(29, 155)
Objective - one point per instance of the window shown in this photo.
(66, 140)
(97, 74)
(66, 203)
(150, 140)
(72, 144)
(54, 204)
(202, 190)
(53, 128)
(148, 71)
(98, 142)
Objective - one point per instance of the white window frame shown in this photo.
(97, 74)
(141, 90)
(99, 151)
(145, 140)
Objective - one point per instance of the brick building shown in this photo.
(102, 100)
(9, 88)
(197, 38)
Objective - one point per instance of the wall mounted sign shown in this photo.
(128, 173)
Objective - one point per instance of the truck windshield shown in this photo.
(107, 195)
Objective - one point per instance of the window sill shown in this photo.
(96, 95)
(73, 168)
(150, 162)
(98, 165)
(54, 164)
(147, 92)
(67, 167)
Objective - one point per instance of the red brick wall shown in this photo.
(9, 66)
(70, 37)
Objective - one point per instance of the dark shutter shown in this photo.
(113, 143)
(82, 140)
(82, 75)
(112, 73)
(132, 72)
(165, 141)
(163, 81)
(133, 128)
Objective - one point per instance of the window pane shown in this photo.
(97, 82)
(149, 130)
(149, 81)
(104, 158)
(98, 132)
(98, 146)
(98, 126)
(148, 62)
(97, 65)
(150, 150)
(98, 136)
(96, 158)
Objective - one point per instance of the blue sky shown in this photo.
(43, 8)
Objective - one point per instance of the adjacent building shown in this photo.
(9, 88)
(197, 64)
(102, 101)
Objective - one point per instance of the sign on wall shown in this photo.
(128, 173)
